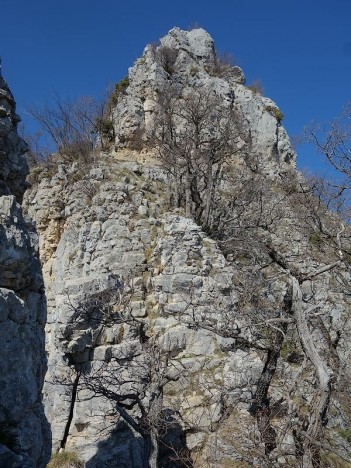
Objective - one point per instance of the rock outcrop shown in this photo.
(172, 346)
(188, 59)
(24, 431)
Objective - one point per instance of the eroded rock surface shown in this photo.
(170, 266)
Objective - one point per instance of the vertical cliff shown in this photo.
(24, 432)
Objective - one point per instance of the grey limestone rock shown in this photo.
(195, 65)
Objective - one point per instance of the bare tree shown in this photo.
(333, 141)
(195, 136)
(71, 124)
(133, 380)
(38, 152)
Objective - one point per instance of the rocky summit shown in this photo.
(197, 291)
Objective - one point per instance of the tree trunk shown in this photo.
(188, 201)
(261, 406)
(153, 459)
(324, 375)
(155, 421)
(208, 197)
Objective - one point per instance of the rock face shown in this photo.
(169, 265)
(13, 165)
(169, 346)
(25, 433)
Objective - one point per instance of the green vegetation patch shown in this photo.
(120, 88)
(332, 460)
(316, 239)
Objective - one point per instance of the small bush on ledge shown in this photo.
(221, 66)
(278, 114)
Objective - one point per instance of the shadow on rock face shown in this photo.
(25, 435)
(126, 449)
(123, 449)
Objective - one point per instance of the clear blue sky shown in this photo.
(300, 50)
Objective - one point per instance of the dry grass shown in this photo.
(65, 460)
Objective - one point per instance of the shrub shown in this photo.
(287, 348)
(122, 85)
(104, 126)
(316, 239)
(278, 114)
(166, 57)
(119, 89)
(345, 434)
(65, 460)
(222, 65)
(332, 460)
